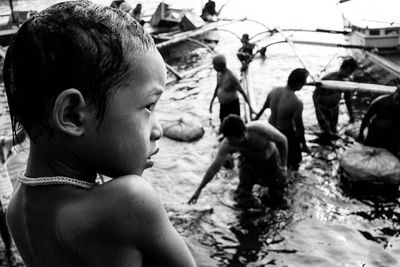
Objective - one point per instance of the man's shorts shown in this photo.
(226, 109)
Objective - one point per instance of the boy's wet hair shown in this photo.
(297, 77)
(350, 63)
(74, 44)
(233, 126)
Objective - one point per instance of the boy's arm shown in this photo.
(212, 170)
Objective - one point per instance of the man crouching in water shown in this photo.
(263, 152)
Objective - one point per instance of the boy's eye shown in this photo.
(150, 107)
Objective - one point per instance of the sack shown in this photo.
(183, 130)
(370, 164)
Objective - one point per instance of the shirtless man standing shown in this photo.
(286, 115)
(326, 102)
(263, 152)
(227, 89)
(382, 119)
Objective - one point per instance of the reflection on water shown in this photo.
(322, 225)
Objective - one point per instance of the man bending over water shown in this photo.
(263, 152)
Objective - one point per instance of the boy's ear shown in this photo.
(69, 112)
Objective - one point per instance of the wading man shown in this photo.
(326, 101)
(286, 115)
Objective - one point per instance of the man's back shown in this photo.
(283, 104)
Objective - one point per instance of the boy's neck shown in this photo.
(43, 163)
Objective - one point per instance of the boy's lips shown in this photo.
(149, 160)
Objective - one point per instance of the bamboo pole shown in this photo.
(248, 89)
(333, 44)
(245, 85)
(355, 87)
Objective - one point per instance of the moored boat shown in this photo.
(383, 36)
(378, 35)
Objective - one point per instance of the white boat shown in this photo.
(376, 28)
(384, 36)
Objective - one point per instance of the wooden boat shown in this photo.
(169, 26)
(378, 38)
(384, 37)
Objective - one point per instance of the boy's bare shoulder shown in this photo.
(126, 207)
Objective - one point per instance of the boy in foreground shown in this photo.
(83, 81)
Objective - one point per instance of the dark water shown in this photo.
(322, 226)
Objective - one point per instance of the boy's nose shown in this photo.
(156, 131)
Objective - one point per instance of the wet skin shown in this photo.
(119, 223)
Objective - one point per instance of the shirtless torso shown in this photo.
(263, 152)
(256, 149)
(285, 107)
(286, 116)
(228, 87)
(82, 225)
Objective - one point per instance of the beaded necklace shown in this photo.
(54, 180)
